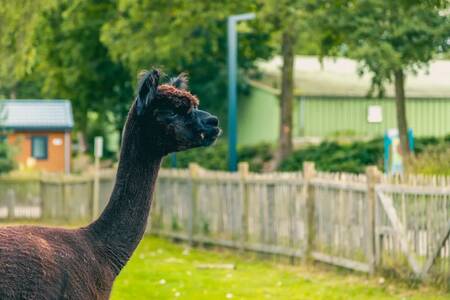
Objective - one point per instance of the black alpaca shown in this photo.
(54, 263)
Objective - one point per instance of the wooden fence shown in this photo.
(52, 198)
(363, 222)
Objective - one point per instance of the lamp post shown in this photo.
(232, 89)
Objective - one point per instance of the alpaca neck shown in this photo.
(122, 224)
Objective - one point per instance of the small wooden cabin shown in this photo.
(41, 132)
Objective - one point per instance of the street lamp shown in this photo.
(232, 89)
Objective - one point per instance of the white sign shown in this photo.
(98, 146)
(375, 114)
(57, 141)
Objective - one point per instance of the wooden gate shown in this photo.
(413, 226)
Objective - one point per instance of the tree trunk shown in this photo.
(82, 120)
(13, 92)
(400, 104)
(82, 145)
(287, 95)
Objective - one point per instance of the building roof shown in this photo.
(36, 114)
(339, 77)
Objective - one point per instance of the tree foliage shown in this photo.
(185, 36)
(7, 162)
(78, 66)
(18, 20)
(388, 38)
(383, 36)
(91, 51)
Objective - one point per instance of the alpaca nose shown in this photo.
(212, 121)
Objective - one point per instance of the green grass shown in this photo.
(163, 270)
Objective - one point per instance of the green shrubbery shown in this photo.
(336, 157)
(7, 162)
(354, 157)
(433, 160)
(216, 157)
(432, 156)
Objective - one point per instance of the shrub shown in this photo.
(257, 156)
(335, 157)
(7, 162)
(216, 157)
(330, 156)
(356, 156)
(433, 160)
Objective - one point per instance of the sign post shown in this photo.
(98, 153)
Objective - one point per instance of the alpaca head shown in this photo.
(170, 116)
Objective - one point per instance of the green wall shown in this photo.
(324, 116)
(258, 116)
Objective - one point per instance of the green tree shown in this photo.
(17, 52)
(7, 162)
(185, 36)
(78, 66)
(285, 17)
(388, 38)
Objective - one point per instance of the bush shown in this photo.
(329, 156)
(213, 158)
(433, 160)
(257, 156)
(7, 162)
(356, 156)
(216, 157)
(335, 157)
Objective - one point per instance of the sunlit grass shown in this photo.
(162, 270)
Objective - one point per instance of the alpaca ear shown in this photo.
(147, 88)
(180, 82)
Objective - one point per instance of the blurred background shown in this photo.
(312, 77)
(344, 85)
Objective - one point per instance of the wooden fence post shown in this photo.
(45, 214)
(373, 178)
(309, 172)
(193, 172)
(11, 203)
(243, 168)
(67, 213)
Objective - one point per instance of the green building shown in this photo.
(331, 99)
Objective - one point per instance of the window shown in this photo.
(39, 147)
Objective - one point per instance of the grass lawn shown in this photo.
(163, 270)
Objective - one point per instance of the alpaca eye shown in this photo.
(168, 113)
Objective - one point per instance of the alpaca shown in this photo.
(56, 263)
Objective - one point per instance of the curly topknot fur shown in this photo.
(178, 97)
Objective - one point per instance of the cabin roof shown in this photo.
(339, 77)
(36, 114)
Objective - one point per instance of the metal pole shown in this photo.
(232, 95)
(232, 89)
(173, 160)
